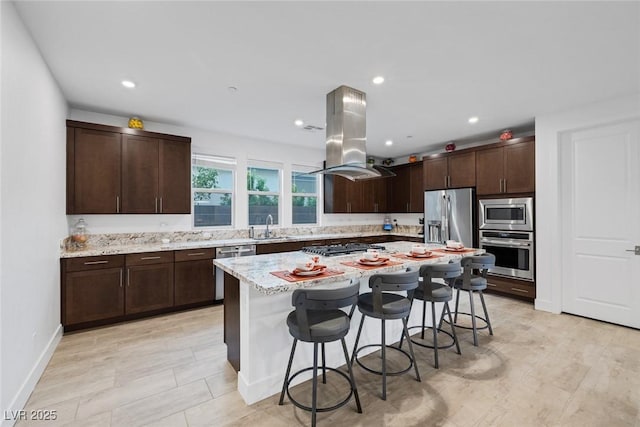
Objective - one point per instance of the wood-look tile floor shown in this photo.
(538, 369)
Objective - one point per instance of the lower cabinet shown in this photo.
(522, 289)
(106, 289)
(149, 282)
(193, 276)
(94, 289)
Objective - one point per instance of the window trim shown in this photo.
(221, 163)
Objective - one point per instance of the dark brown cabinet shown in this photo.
(342, 195)
(405, 191)
(194, 280)
(91, 189)
(121, 170)
(93, 289)
(149, 282)
(455, 170)
(508, 168)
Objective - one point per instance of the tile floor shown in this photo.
(539, 369)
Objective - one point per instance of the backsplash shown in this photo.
(123, 239)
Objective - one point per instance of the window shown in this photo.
(263, 187)
(212, 188)
(304, 198)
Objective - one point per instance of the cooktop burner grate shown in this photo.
(329, 250)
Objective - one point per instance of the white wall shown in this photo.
(244, 150)
(32, 220)
(549, 232)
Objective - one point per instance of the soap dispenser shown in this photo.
(387, 225)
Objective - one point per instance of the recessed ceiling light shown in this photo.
(298, 123)
(378, 80)
(388, 142)
(473, 119)
(128, 84)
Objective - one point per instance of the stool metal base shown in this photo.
(449, 334)
(319, 409)
(373, 371)
(479, 328)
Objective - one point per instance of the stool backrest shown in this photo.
(484, 263)
(428, 272)
(392, 282)
(323, 299)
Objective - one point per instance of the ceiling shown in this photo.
(443, 62)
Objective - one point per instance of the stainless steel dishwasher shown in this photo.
(229, 252)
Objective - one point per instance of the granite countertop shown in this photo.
(211, 243)
(256, 270)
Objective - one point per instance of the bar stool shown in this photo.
(382, 304)
(471, 283)
(434, 292)
(317, 318)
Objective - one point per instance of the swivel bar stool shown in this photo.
(317, 318)
(382, 304)
(471, 283)
(434, 292)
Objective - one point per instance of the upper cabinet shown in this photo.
(454, 170)
(342, 195)
(506, 169)
(120, 170)
(405, 191)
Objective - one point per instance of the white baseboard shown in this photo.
(546, 305)
(20, 399)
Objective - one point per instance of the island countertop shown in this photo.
(256, 270)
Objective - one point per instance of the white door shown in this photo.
(601, 223)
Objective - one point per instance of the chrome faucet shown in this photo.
(269, 221)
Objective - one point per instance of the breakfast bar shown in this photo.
(258, 298)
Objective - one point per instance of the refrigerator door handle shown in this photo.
(448, 217)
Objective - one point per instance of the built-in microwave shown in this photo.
(506, 214)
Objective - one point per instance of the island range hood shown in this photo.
(347, 137)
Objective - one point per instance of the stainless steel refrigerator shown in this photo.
(449, 215)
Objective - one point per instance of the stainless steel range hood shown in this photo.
(347, 136)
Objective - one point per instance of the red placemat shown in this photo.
(465, 251)
(412, 258)
(369, 267)
(289, 277)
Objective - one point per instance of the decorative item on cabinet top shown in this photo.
(136, 123)
(450, 147)
(413, 158)
(506, 134)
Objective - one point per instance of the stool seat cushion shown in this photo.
(393, 305)
(325, 325)
(478, 283)
(439, 293)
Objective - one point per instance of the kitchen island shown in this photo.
(257, 303)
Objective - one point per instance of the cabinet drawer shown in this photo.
(93, 262)
(194, 254)
(513, 287)
(150, 258)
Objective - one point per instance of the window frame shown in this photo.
(279, 168)
(218, 163)
(301, 169)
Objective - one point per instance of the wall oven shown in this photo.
(506, 214)
(514, 251)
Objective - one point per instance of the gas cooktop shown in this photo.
(329, 250)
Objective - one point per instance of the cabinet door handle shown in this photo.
(149, 257)
(156, 205)
(120, 277)
(117, 204)
(505, 185)
(449, 181)
(520, 290)
(500, 191)
(445, 181)
(128, 277)
(160, 204)
(95, 262)
(196, 254)
(492, 285)
(407, 207)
